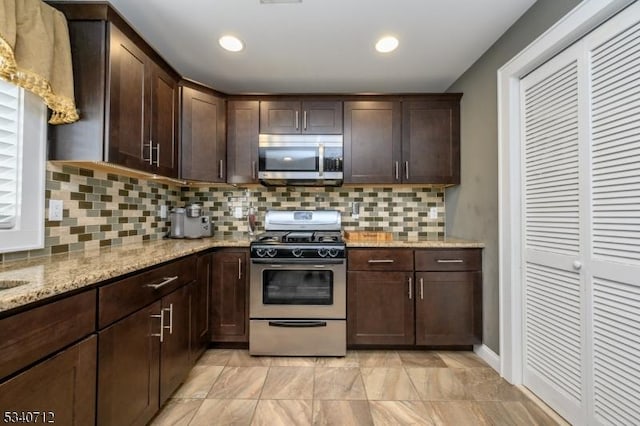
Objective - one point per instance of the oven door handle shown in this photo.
(297, 324)
(281, 262)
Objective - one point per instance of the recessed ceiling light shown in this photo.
(387, 44)
(231, 43)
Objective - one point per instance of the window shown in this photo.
(22, 169)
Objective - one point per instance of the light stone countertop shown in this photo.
(417, 243)
(61, 273)
(57, 274)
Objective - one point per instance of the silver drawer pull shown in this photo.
(166, 281)
(410, 287)
(380, 261)
(450, 261)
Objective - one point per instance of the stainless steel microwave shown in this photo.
(305, 160)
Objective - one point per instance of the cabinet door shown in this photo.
(174, 350)
(448, 308)
(128, 368)
(372, 141)
(203, 144)
(229, 297)
(62, 388)
(242, 141)
(129, 96)
(164, 106)
(280, 117)
(322, 117)
(200, 307)
(431, 142)
(380, 308)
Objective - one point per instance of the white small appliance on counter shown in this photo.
(189, 222)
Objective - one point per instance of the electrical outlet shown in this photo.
(55, 210)
(433, 213)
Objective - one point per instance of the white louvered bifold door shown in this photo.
(581, 216)
(614, 68)
(554, 311)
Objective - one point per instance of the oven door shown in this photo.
(299, 289)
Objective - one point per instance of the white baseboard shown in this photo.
(489, 356)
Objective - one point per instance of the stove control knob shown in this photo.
(323, 252)
(296, 252)
(272, 252)
(261, 252)
(333, 252)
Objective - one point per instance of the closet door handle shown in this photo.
(406, 169)
(161, 334)
(304, 120)
(253, 170)
(170, 326)
(410, 285)
(421, 288)
(397, 170)
(239, 269)
(297, 121)
(221, 170)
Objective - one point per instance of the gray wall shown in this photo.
(472, 207)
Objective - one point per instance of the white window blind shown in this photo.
(9, 154)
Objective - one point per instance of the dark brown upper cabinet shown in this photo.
(431, 141)
(301, 116)
(127, 96)
(372, 138)
(242, 141)
(203, 146)
(403, 141)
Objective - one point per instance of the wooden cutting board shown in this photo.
(368, 236)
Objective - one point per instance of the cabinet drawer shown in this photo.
(34, 334)
(449, 260)
(380, 260)
(123, 297)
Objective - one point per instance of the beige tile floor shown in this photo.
(230, 387)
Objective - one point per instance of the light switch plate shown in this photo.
(433, 213)
(55, 210)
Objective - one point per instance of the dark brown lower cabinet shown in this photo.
(142, 359)
(129, 369)
(61, 389)
(200, 306)
(447, 308)
(380, 308)
(437, 302)
(229, 297)
(175, 357)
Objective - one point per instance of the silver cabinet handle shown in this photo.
(304, 120)
(158, 155)
(170, 310)
(421, 288)
(410, 285)
(161, 334)
(150, 145)
(397, 170)
(406, 169)
(297, 121)
(450, 261)
(380, 261)
(239, 269)
(319, 266)
(253, 170)
(220, 170)
(166, 281)
(320, 159)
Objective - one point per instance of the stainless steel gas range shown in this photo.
(298, 291)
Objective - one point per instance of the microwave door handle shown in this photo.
(321, 159)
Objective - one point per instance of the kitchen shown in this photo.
(106, 206)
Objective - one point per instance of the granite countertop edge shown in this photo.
(61, 273)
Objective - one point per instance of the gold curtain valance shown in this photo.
(35, 54)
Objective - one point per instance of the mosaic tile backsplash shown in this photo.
(106, 209)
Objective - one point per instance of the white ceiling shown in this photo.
(323, 46)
